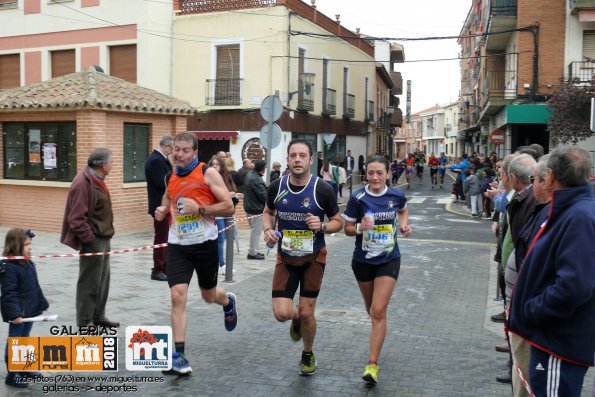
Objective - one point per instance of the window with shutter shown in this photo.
(136, 151)
(63, 62)
(122, 62)
(589, 44)
(10, 71)
(227, 85)
(8, 4)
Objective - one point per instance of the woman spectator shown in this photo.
(276, 171)
(219, 164)
(328, 174)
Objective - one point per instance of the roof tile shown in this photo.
(90, 88)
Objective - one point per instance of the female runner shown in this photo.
(374, 214)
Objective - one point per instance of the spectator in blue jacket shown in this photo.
(553, 303)
(21, 294)
(462, 166)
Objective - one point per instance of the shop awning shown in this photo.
(215, 135)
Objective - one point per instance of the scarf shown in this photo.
(188, 169)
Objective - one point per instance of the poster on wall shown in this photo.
(34, 146)
(49, 156)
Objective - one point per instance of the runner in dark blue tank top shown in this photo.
(299, 202)
(374, 214)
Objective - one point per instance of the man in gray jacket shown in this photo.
(255, 196)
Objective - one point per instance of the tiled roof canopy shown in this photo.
(91, 89)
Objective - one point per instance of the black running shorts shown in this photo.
(183, 260)
(365, 272)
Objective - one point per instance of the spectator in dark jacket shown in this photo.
(157, 168)
(255, 196)
(21, 294)
(247, 166)
(554, 299)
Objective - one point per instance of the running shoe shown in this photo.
(371, 374)
(179, 365)
(308, 364)
(295, 330)
(231, 315)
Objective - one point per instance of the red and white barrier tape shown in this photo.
(122, 251)
(524, 381)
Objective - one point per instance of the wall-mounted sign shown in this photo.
(253, 150)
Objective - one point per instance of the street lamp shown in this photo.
(306, 81)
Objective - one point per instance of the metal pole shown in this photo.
(229, 237)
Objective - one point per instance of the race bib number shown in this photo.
(190, 227)
(434, 167)
(442, 166)
(298, 242)
(380, 239)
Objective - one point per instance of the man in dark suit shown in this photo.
(348, 164)
(156, 169)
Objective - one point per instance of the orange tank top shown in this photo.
(191, 228)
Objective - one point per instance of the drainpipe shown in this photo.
(171, 55)
(288, 53)
(535, 30)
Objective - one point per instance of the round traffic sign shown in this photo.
(497, 137)
(271, 108)
(265, 134)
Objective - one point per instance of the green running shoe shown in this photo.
(371, 374)
(295, 330)
(308, 364)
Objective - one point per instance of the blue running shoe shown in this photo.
(179, 365)
(231, 315)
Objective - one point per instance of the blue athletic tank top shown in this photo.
(292, 208)
(377, 246)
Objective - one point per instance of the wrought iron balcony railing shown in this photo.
(503, 7)
(348, 106)
(329, 104)
(223, 92)
(576, 5)
(499, 84)
(583, 71)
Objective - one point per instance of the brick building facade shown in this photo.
(105, 112)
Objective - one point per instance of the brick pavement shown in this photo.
(439, 343)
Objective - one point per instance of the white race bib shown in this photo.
(189, 227)
(380, 239)
(298, 242)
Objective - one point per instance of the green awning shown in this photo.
(527, 114)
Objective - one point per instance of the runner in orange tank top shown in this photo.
(195, 195)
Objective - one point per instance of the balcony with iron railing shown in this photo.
(584, 71)
(578, 5)
(370, 111)
(348, 106)
(499, 89)
(503, 16)
(329, 102)
(223, 92)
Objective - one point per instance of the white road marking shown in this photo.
(416, 200)
(461, 220)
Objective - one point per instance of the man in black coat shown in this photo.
(157, 168)
(255, 196)
(349, 164)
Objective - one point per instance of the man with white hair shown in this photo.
(554, 299)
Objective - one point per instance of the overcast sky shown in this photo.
(432, 82)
